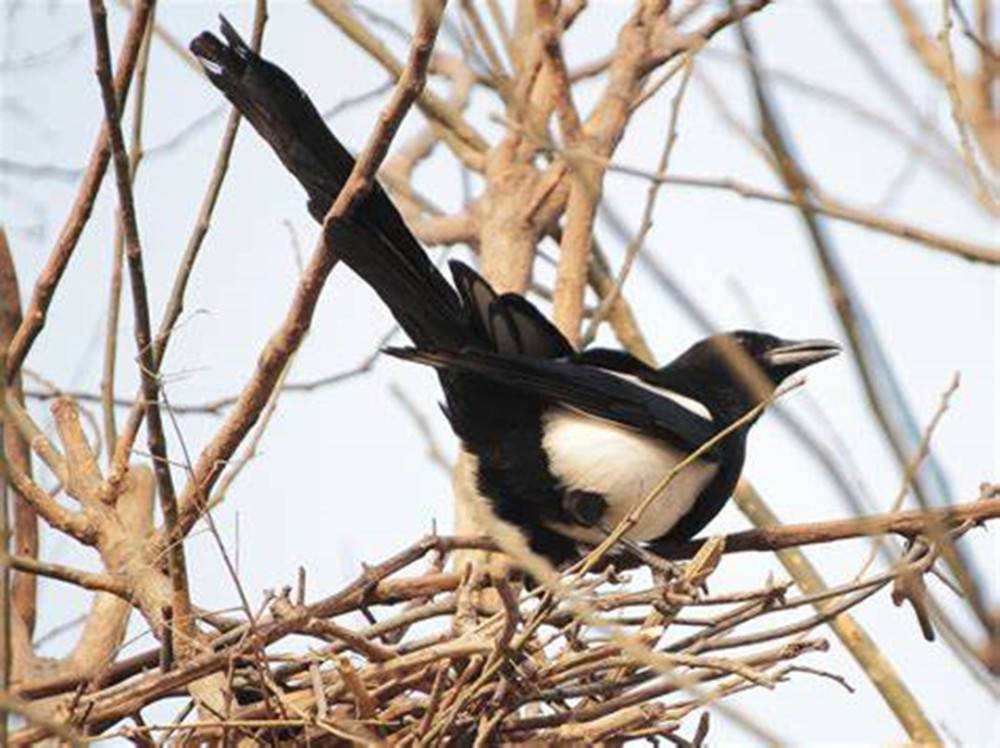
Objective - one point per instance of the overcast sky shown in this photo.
(342, 476)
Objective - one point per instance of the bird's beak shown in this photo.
(797, 354)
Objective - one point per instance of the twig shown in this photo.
(362, 699)
(10, 704)
(217, 406)
(921, 452)
(169, 41)
(250, 451)
(467, 144)
(40, 171)
(958, 114)
(85, 579)
(646, 222)
(881, 386)
(48, 280)
(322, 706)
(723, 20)
(15, 445)
(6, 601)
(824, 205)
(66, 521)
(496, 66)
(584, 190)
(880, 74)
(820, 204)
(115, 290)
(434, 700)
(935, 150)
(175, 302)
(167, 641)
(433, 449)
(863, 649)
(402, 665)
(621, 317)
(352, 101)
(219, 544)
(635, 514)
(143, 336)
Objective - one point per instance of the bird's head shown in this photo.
(776, 357)
(742, 368)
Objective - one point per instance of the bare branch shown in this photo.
(143, 334)
(15, 444)
(45, 286)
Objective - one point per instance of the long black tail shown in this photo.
(373, 241)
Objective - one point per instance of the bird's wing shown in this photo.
(582, 387)
(509, 323)
(611, 359)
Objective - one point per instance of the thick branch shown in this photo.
(15, 446)
(87, 580)
(907, 524)
(71, 523)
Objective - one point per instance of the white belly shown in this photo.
(589, 454)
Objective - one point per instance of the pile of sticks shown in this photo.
(411, 652)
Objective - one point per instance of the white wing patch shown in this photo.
(685, 402)
(623, 466)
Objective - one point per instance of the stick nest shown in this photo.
(411, 653)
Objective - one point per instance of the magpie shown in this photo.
(564, 442)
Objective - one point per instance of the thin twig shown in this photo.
(467, 144)
(48, 280)
(217, 406)
(175, 302)
(16, 446)
(958, 114)
(434, 452)
(143, 336)
(115, 290)
(825, 205)
(921, 452)
(646, 222)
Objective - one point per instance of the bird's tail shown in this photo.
(373, 240)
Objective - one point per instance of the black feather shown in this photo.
(503, 367)
(583, 388)
(538, 337)
(614, 360)
(503, 334)
(477, 297)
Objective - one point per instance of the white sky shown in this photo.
(343, 477)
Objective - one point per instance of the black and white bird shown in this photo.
(564, 443)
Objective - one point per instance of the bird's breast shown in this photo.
(623, 466)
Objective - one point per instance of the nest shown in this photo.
(430, 648)
(412, 653)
